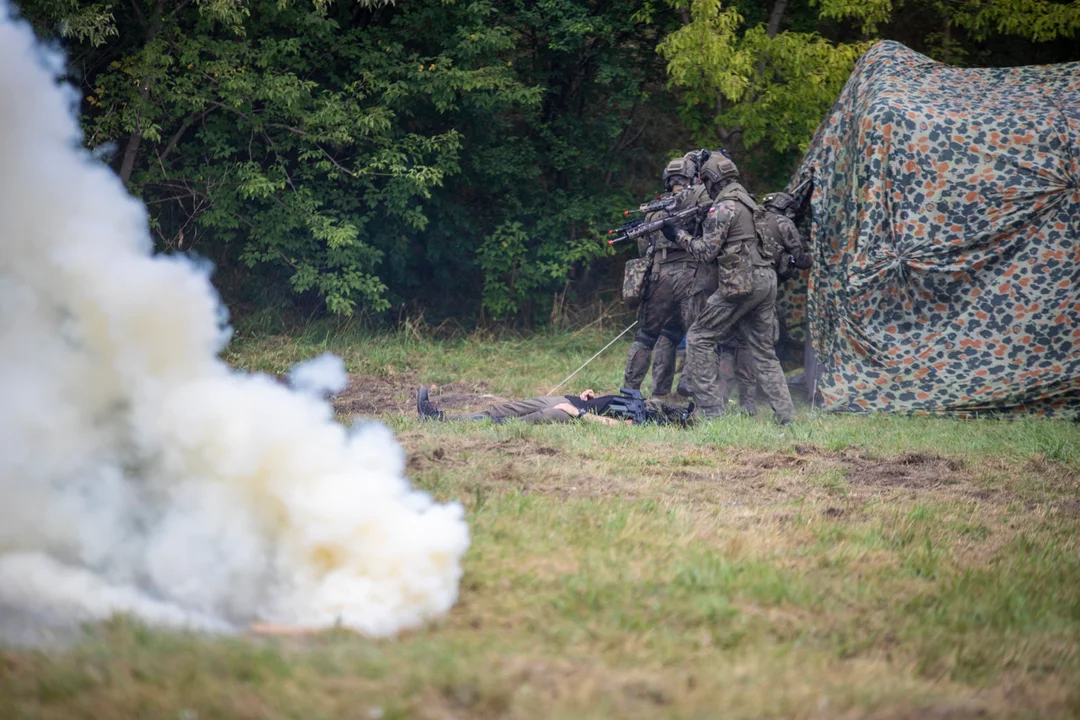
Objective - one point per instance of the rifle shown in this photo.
(631, 406)
(638, 227)
(666, 204)
(798, 188)
(627, 226)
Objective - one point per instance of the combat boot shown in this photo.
(704, 414)
(424, 408)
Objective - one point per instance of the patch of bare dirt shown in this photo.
(371, 395)
(757, 478)
(458, 452)
(909, 470)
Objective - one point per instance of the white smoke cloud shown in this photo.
(138, 473)
(320, 376)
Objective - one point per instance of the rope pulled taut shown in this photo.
(571, 375)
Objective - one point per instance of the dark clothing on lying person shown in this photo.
(597, 406)
(534, 410)
(627, 406)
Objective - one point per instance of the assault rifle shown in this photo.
(797, 191)
(638, 227)
(625, 228)
(665, 204)
(629, 406)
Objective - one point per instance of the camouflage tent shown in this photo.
(946, 238)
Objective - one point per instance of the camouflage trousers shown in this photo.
(755, 316)
(737, 368)
(662, 314)
(665, 356)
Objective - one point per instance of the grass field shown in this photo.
(842, 567)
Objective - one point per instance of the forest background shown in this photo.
(463, 158)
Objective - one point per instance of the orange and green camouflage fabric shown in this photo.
(791, 304)
(945, 234)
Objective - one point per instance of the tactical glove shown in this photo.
(669, 233)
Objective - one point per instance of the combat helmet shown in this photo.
(719, 169)
(781, 202)
(679, 171)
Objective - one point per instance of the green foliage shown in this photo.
(705, 56)
(357, 156)
(368, 154)
(778, 86)
(761, 88)
(84, 22)
(1035, 20)
(796, 80)
(869, 14)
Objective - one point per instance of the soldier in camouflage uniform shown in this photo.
(780, 209)
(729, 235)
(666, 352)
(736, 364)
(660, 316)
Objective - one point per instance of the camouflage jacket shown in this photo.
(728, 224)
(788, 240)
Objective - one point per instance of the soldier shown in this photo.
(736, 363)
(780, 209)
(661, 312)
(745, 295)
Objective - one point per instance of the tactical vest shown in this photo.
(781, 258)
(744, 231)
(657, 238)
(773, 227)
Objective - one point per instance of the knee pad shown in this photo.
(674, 337)
(646, 338)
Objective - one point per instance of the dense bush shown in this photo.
(463, 157)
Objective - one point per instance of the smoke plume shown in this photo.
(320, 376)
(138, 473)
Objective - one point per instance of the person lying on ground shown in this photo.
(629, 408)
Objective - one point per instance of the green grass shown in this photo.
(738, 570)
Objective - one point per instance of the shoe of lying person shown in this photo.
(424, 409)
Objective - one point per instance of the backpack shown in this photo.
(766, 240)
(766, 244)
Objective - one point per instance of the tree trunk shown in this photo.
(131, 149)
(775, 17)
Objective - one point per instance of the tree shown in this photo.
(464, 156)
(281, 131)
(759, 87)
